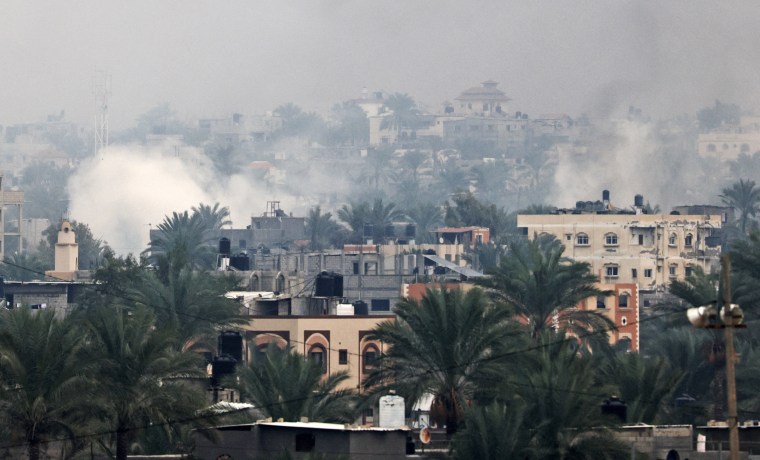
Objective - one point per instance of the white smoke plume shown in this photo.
(125, 190)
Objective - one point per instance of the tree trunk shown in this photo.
(34, 450)
(122, 443)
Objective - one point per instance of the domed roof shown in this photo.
(486, 92)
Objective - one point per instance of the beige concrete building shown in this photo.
(646, 249)
(728, 142)
(339, 342)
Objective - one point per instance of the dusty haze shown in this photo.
(211, 58)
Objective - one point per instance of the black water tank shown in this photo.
(616, 408)
(329, 284)
(411, 231)
(240, 262)
(338, 285)
(2, 288)
(221, 366)
(224, 246)
(369, 230)
(324, 285)
(605, 195)
(231, 343)
(390, 230)
(361, 308)
(638, 201)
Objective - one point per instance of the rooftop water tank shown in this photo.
(391, 414)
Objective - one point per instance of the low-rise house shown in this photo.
(300, 439)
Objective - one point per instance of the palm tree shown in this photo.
(213, 218)
(544, 288)
(23, 267)
(377, 167)
(403, 113)
(182, 241)
(382, 215)
(645, 384)
(191, 305)
(413, 161)
(42, 378)
(744, 196)
(426, 216)
(565, 421)
(355, 215)
(142, 378)
(492, 432)
(320, 227)
(449, 345)
(283, 384)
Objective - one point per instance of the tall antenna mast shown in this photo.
(101, 89)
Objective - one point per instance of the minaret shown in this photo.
(66, 254)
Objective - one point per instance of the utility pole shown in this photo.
(732, 419)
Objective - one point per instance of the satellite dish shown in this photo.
(425, 435)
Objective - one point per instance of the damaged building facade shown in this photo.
(630, 246)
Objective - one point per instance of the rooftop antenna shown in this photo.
(101, 90)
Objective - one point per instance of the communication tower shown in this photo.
(101, 89)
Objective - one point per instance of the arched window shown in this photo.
(581, 239)
(280, 284)
(610, 239)
(672, 239)
(255, 285)
(369, 356)
(688, 240)
(711, 148)
(318, 355)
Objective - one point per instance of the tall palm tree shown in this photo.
(492, 432)
(450, 344)
(23, 267)
(544, 288)
(557, 387)
(213, 218)
(191, 305)
(319, 228)
(377, 167)
(645, 384)
(382, 215)
(355, 215)
(403, 113)
(283, 384)
(182, 241)
(744, 196)
(42, 378)
(142, 378)
(426, 216)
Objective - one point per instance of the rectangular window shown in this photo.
(242, 244)
(611, 239)
(647, 273)
(356, 268)
(343, 356)
(688, 271)
(600, 302)
(381, 305)
(634, 273)
(672, 270)
(641, 240)
(612, 270)
(623, 301)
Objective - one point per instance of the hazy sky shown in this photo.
(212, 58)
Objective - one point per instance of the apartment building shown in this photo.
(629, 246)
